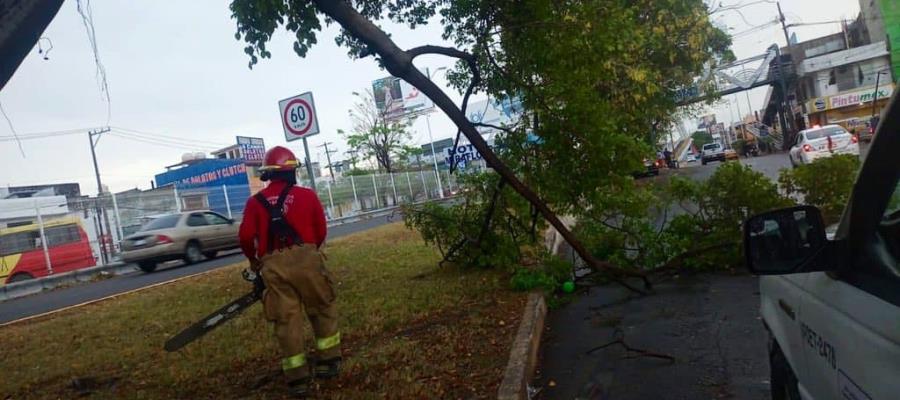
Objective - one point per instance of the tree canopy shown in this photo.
(596, 79)
(373, 135)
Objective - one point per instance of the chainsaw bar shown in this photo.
(219, 317)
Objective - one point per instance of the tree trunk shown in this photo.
(400, 64)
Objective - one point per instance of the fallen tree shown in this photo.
(569, 64)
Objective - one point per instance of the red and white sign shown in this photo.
(298, 116)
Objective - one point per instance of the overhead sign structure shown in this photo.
(298, 117)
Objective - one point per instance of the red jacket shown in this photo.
(301, 207)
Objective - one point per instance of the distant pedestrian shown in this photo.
(667, 155)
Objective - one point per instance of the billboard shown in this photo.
(253, 150)
(494, 112)
(706, 121)
(396, 99)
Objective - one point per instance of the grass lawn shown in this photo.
(410, 330)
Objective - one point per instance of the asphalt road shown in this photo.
(708, 323)
(55, 299)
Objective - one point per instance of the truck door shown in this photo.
(850, 323)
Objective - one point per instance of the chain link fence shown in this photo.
(83, 232)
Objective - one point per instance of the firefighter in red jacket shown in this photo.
(282, 230)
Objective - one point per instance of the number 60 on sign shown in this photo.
(298, 116)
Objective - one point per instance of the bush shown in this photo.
(826, 183)
(458, 230)
(707, 222)
(548, 276)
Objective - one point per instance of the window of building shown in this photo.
(832, 78)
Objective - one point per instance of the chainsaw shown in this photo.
(220, 316)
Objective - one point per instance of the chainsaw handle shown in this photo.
(256, 279)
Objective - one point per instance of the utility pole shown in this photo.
(786, 139)
(328, 157)
(99, 207)
(787, 38)
(875, 95)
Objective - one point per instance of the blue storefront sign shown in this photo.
(206, 173)
(223, 182)
(462, 155)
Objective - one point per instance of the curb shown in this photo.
(32, 286)
(524, 351)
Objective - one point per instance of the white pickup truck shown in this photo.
(712, 152)
(831, 303)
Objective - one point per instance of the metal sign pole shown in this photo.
(309, 169)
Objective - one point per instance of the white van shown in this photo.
(832, 304)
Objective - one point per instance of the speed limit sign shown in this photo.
(298, 116)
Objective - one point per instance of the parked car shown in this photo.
(188, 236)
(712, 152)
(831, 302)
(731, 155)
(651, 168)
(822, 142)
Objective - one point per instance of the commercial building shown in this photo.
(839, 87)
(834, 79)
(881, 22)
(221, 185)
(69, 190)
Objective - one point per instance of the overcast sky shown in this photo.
(174, 68)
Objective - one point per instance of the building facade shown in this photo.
(840, 87)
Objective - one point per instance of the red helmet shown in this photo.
(279, 159)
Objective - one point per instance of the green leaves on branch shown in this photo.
(695, 225)
(486, 228)
(825, 183)
(373, 136)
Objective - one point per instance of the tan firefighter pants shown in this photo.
(296, 280)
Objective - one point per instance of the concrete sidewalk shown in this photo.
(708, 323)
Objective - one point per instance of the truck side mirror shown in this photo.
(785, 241)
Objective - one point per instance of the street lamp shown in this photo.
(437, 173)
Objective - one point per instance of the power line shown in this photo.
(41, 135)
(185, 144)
(157, 142)
(13, 129)
(756, 28)
(135, 131)
(87, 18)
